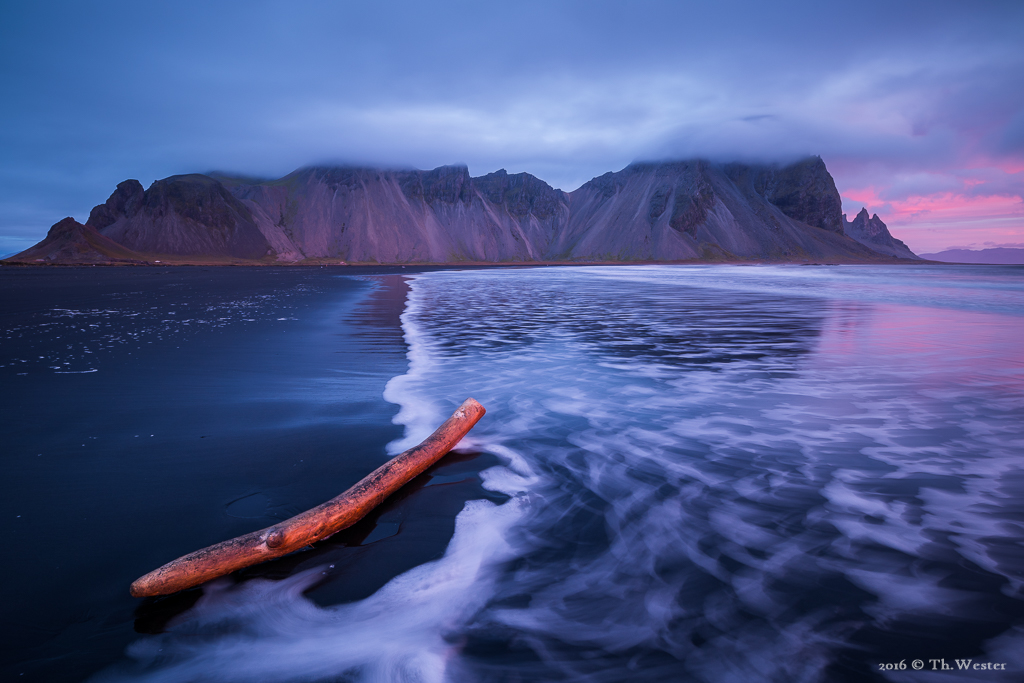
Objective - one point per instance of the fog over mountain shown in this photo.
(917, 107)
(656, 211)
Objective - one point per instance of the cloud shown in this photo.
(903, 101)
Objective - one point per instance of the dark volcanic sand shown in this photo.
(149, 412)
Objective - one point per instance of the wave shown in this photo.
(704, 483)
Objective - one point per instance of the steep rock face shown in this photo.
(389, 216)
(644, 212)
(189, 215)
(70, 242)
(873, 233)
(696, 209)
(521, 194)
(125, 201)
(804, 191)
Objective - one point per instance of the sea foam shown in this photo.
(713, 474)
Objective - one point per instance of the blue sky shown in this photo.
(916, 107)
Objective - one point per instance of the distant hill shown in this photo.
(657, 211)
(997, 255)
(68, 241)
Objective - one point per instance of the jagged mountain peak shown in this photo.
(863, 215)
(865, 224)
(125, 201)
(873, 233)
(520, 193)
(190, 214)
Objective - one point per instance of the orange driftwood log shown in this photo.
(313, 525)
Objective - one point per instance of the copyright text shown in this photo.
(942, 665)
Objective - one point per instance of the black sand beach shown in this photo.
(151, 412)
(697, 473)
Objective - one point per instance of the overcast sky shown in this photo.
(917, 108)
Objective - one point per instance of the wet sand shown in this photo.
(150, 412)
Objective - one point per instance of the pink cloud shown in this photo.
(936, 222)
(940, 208)
(934, 208)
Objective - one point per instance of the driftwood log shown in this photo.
(313, 525)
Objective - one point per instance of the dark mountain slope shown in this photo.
(186, 215)
(70, 242)
(804, 191)
(696, 209)
(388, 216)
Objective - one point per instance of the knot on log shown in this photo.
(276, 538)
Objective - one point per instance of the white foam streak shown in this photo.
(700, 474)
(704, 484)
(401, 633)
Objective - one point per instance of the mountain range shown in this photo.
(653, 211)
(995, 255)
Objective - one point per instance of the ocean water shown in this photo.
(686, 473)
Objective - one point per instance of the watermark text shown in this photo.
(942, 665)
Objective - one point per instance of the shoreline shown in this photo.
(334, 263)
(253, 420)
